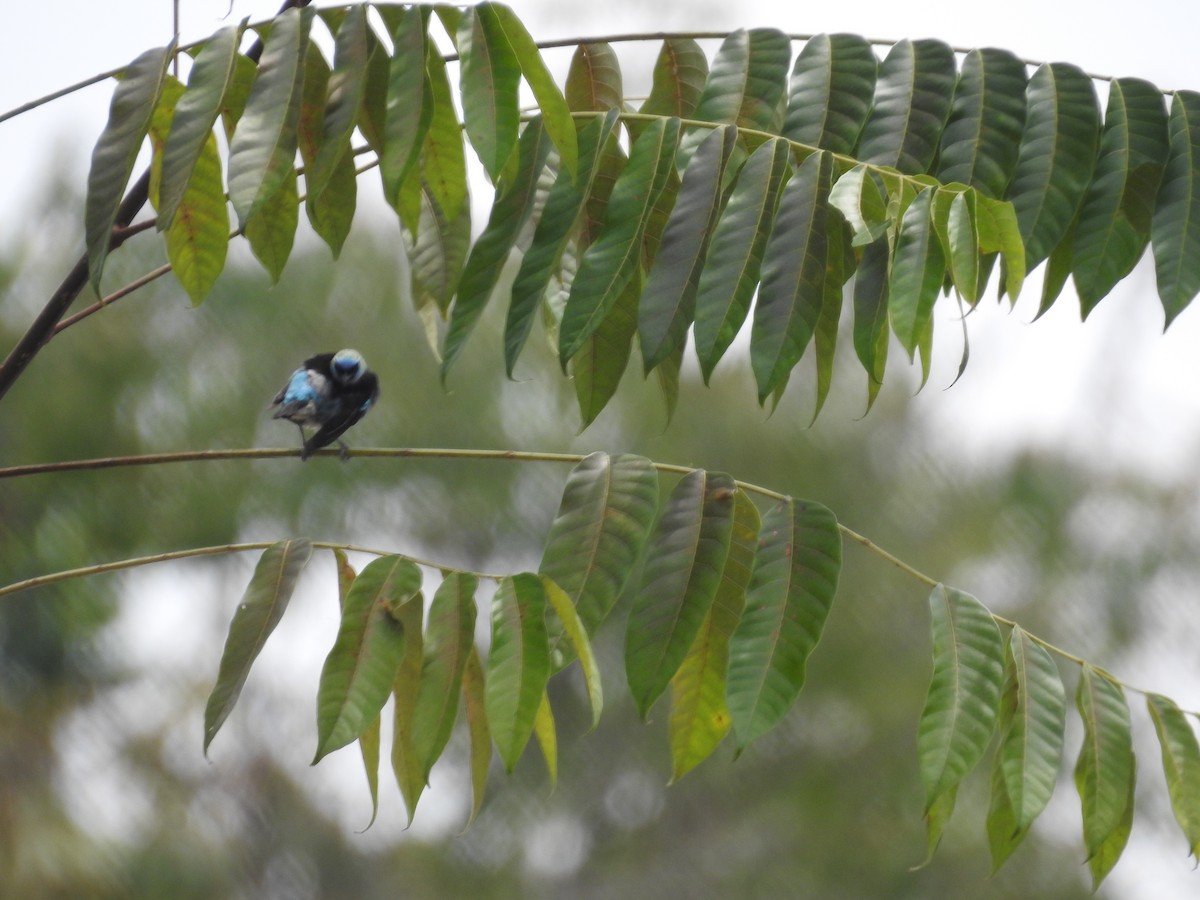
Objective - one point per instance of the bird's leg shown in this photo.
(303, 443)
(345, 452)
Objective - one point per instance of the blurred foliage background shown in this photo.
(103, 788)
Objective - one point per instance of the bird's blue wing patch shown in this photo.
(300, 389)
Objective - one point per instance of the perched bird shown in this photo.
(331, 391)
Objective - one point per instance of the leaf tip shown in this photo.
(374, 815)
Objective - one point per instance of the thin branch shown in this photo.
(144, 280)
(884, 172)
(194, 552)
(155, 459)
(61, 92)
(552, 44)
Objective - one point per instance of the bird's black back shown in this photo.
(322, 362)
(350, 398)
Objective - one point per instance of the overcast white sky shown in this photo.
(1114, 387)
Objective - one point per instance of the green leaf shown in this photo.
(871, 314)
(999, 232)
(981, 139)
(262, 151)
(543, 729)
(260, 609)
(608, 265)
(366, 654)
(1104, 770)
(684, 561)
(680, 72)
(449, 638)
(594, 79)
(607, 509)
(1033, 714)
(1176, 225)
(368, 740)
(793, 275)
(609, 166)
(198, 238)
(443, 160)
(596, 369)
(830, 92)
(1057, 271)
(271, 230)
(511, 211)
(437, 255)
(372, 113)
(963, 250)
(1058, 153)
(572, 627)
(233, 104)
(1004, 836)
(918, 268)
(668, 301)
(1113, 227)
(407, 106)
(347, 86)
(555, 226)
(656, 221)
(310, 123)
(745, 86)
(731, 269)
(477, 729)
(667, 375)
(699, 717)
(859, 195)
(839, 266)
(490, 80)
(332, 213)
(791, 589)
(133, 103)
(912, 101)
(405, 688)
(518, 664)
(556, 114)
(936, 818)
(964, 693)
(1181, 765)
(192, 125)
(345, 575)
(1106, 856)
